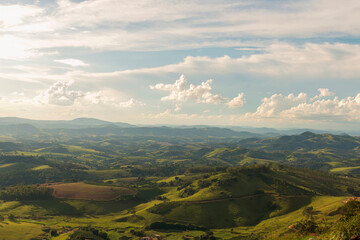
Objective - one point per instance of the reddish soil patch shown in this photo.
(128, 180)
(85, 191)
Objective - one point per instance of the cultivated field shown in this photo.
(85, 191)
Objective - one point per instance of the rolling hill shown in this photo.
(242, 196)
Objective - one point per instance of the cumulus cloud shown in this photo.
(346, 109)
(325, 92)
(180, 92)
(277, 103)
(59, 94)
(72, 62)
(301, 107)
(236, 101)
(131, 103)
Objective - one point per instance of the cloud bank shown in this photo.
(301, 107)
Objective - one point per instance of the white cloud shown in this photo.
(233, 18)
(59, 94)
(179, 92)
(342, 110)
(177, 107)
(12, 47)
(72, 62)
(279, 60)
(130, 103)
(237, 101)
(17, 94)
(323, 92)
(277, 103)
(300, 108)
(159, 24)
(168, 115)
(15, 14)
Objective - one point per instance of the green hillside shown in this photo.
(243, 196)
(305, 142)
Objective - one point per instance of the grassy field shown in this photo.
(344, 170)
(42, 167)
(6, 165)
(118, 219)
(67, 149)
(85, 191)
(277, 227)
(19, 230)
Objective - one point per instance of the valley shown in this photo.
(201, 184)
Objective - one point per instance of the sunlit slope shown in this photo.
(243, 196)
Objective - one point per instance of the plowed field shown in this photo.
(85, 191)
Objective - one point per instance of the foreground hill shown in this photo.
(234, 202)
(242, 196)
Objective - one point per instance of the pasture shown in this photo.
(19, 230)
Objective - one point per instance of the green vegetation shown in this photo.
(42, 167)
(106, 183)
(24, 193)
(89, 233)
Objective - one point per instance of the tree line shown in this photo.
(26, 192)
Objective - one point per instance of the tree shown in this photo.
(11, 217)
(308, 212)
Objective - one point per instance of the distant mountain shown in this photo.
(19, 130)
(11, 126)
(89, 121)
(278, 132)
(51, 124)
(97, 122)
(84, 126)
(114, 130)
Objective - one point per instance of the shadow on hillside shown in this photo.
(80, 208)
(57, 207)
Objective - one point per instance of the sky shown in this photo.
(260, 63)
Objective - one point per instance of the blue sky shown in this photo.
(255, 63)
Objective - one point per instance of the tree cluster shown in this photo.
(23, 193)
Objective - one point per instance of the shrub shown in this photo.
(89, 233)
(306, 226)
